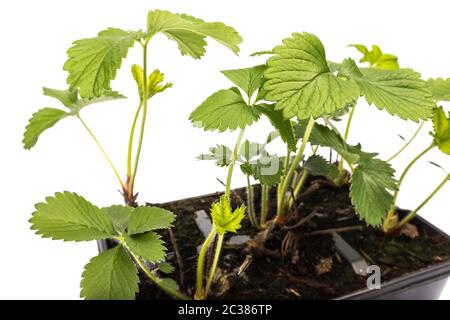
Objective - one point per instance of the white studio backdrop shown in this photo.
(35, 36)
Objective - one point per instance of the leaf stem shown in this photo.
(199, 292)
(346, 134)
(413, 213)
(231, 167)
(387, 221)
(407, 143)
(298, 187)
(214, 264)
(131, 140)
(286, 167)
(287, 181)
(111, 164)
(169, 290)
(250, 207)
(264, 202)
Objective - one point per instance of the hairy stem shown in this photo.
(199, 292)
(347, 131)
(214, 264)
(286, 167)
(264, 204)
(386, 224)
(111, 164)
(298, 187)
(233, 161)
(281, 205)
(407, 143)
(250, 207)
(413, 213)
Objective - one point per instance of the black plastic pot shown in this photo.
(425, 284)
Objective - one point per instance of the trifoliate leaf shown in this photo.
(370, 185)
(440, 88)
(111, 275)
(224, 219)
(39, 122)
(441, 126)
(94, 62)
(300, 81)
(154, 82)
(166, 268)
(267, 169)
(283, 125)
(400, 92)
(248, 79)
(69, 217)
(144, 219)
(190, 32)
(220, 153)
(119, 216)
(148, 246)
(376, 58)
(224, 110)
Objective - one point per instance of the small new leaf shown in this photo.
(441, 126)
(224, 110)
(148, 246)
(69, 217)
(376, 58)
(267, 169)
(224, 219)
(154, 81)
(144, 219)
(94, 62)
(440, 88)
(248, 79)
(301, 83)
(190, 32)
(318, 166)
(111, 275)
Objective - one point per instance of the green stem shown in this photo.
(347, 131)
(231, 167)
(286, 166)
(413, 213)
(144, 117)
(199, 293)
(264, 203)
(407, 143)
(111, 164)
(131, 139)
(287, 181)
(214, 264)
(386, 224)
(250, 207)
(298, 187)
(167, 289)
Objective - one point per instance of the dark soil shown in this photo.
(298, 265)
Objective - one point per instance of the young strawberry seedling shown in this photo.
(92, 64)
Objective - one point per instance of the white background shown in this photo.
(34, 38)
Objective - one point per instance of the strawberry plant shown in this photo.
(92, 64)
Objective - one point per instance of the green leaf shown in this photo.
(119, 216)
(248, 79)
(39, 122)
(300, 81)
(224, 110)
(220, 153)
(224, 219)
(400, 92)
(318, 166)
(111, 275)
(283, 125)
(94, 62)
(267, 169)
(441, 134)
(69, 217)
(370, 185)
(166, 267)
(66, 97)
(154, 82)
(376, 58)
(169, 283)
(148, 246)
(144, 219)
(440, 88)
(190, 32)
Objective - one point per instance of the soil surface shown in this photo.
(296, 263)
